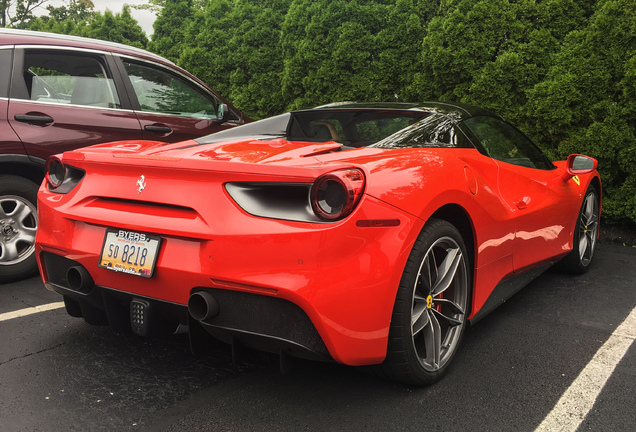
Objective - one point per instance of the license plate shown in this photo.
(129, 252)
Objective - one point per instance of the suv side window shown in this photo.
(505, 143)
(160, 91)
(68, 78)
(5, 71)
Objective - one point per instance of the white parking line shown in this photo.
(577, 401)
(579, 398)
(28, 311)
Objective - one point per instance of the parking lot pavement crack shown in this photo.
(2, 363)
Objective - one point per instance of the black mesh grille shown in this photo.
(271, 317)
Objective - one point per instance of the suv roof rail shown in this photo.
(64, 37)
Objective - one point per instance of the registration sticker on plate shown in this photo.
(129, 252)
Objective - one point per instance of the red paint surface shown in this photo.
(344, 276)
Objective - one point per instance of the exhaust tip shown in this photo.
(79, 279)
(203, 306)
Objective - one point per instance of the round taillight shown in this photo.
(335, 195)
(55, 172)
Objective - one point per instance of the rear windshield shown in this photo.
(436, 130)
(383, 128)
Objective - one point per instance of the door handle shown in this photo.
(28, 118)
(158, 129)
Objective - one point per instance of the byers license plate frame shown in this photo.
(129, 252)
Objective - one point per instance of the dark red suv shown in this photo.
(61, 92)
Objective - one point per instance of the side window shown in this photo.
(68, 78)
(505, 143)
(161, 91)
(5, 71)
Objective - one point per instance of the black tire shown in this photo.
(18, 223)
(428, 320)
(579, 260)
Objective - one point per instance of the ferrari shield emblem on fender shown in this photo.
(577, 180)
(141, 184)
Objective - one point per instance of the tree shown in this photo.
(51, 25)
(206, 52)
(492, 53)
(463, 39)
(255, 82)
(78, 11)
(398, 46)
(329, 50)
(17, 13)
(234, 46)
(121, 27)
(170, 28)
(564, 71)
(586, 104)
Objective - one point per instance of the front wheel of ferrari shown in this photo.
(431, 307)
(578, 261)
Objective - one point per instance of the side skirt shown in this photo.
(506, 289)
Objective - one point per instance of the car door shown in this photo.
(11, 147)
(62, 99)
(170, 106)
(540, 202)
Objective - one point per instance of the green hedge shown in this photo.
(564, 71)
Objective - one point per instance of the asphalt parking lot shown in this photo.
(548, 356)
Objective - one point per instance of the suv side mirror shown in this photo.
(223, 112)
(578, 164)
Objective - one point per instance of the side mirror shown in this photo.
(578, 164)
(223, 113)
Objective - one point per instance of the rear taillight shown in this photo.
(335, 195)
(55, 172)
(61, 178)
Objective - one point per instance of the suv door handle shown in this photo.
(28, 118)
(158, 129)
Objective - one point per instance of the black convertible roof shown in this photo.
(460, 110)
(281, 125)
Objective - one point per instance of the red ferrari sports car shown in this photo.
(366, 234)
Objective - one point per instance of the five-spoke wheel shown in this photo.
(439, 303)
(588, 228)
(585, 235)
(431, 307)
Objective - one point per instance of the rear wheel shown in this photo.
(578, 261)
(430, 311)
(18, 224)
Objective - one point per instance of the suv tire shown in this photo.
(18, 223)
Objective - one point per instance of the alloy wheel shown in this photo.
(588, 228)
(18, 225)
(439, 303)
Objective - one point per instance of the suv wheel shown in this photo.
(18, 223)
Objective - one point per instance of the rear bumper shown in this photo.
(323, 291)
(255, 321)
